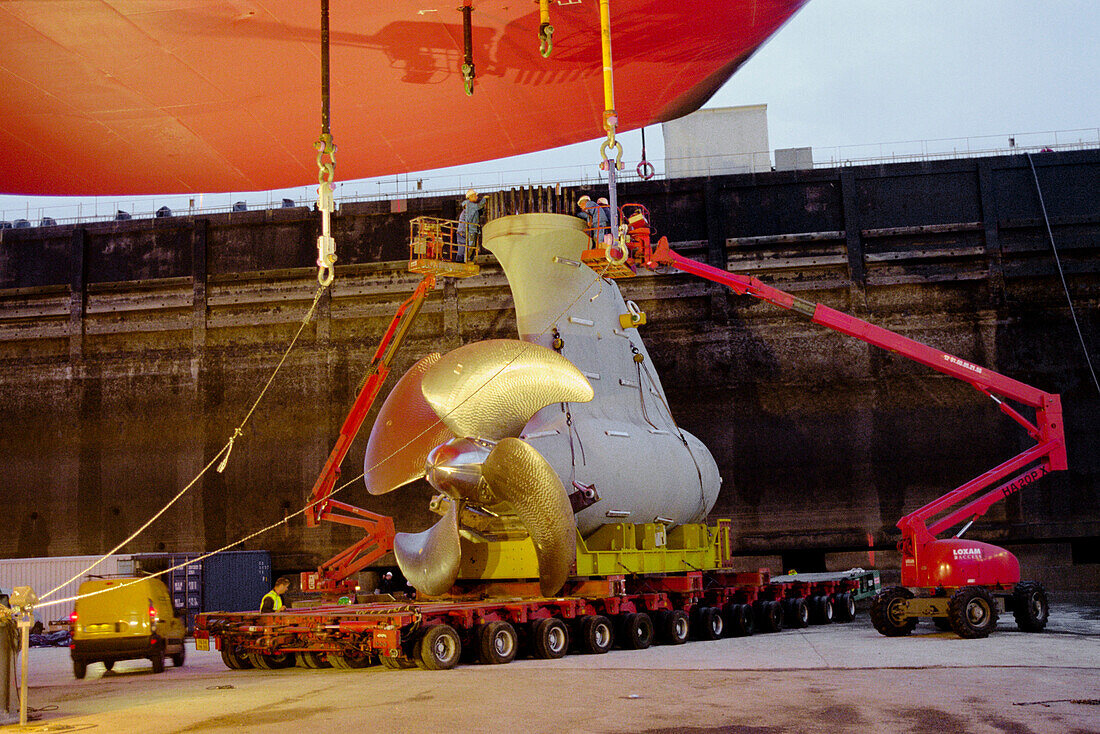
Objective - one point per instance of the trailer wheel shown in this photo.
(597, 635)
(272, 662)
(769, 615)
(708, 623)
(439, 648)
(637, 631)
(739, 620)
(340, 662)
(315, 660)
(972, 612)
(1030, 606)
(796, 614)
(497, 643)
(158, 662)
(235, 660)
(550, 638)
(395, 663)
(887, 614)
(674, 626)
(80, 669)
(821, 610)
(178, 658)
(844, 607)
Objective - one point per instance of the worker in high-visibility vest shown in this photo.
(273, 600)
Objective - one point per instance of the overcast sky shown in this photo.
(850, 73)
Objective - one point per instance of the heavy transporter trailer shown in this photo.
(636, 585)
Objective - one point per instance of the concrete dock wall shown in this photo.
(130, 350)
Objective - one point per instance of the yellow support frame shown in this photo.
(614, 549)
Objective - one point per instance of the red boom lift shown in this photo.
(961, 584)
(436, 249)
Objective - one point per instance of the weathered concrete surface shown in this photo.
(838, 678)
(130, 350)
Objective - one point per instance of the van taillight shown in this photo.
(152, 612)
(72, 618)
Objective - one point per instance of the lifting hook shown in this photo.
(546, 31)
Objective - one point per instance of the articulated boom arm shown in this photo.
(379, 529)
(1048, 454)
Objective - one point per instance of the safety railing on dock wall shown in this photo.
(455, 182)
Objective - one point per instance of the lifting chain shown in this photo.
(546, 31)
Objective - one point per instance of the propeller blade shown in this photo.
(515, 471)
(404, 433)
(430, 560)
(490, 389)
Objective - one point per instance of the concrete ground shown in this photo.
(837, 678)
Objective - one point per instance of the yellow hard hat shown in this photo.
(471, 195)
(584, 198)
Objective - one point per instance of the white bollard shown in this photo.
(22, 604)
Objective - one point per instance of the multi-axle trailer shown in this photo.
(493, 622)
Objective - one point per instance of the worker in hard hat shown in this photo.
(602, 220)
(469, 225)
(588, 212)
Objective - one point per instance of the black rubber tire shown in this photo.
(1030, 606)
(796, 614)
(549, 639)
(235, 660)
(395, 663)
(821, 610)
(886, 614)
(972, 612)
(597, 634)
(439, 648)
(158, 662)
(674, 627)
(339, 662)
(108, 664)
(497, 643)
(707, 624)
(740, 620)
(769, 615)
(272, 662)
(942, 623)
(636, 631)
(177, 658)
(80, 669)
(844, 607)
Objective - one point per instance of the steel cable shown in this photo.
(1061, 273)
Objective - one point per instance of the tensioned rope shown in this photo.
(1061, 273)
(222, 454)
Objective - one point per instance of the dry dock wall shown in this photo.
(130, 350)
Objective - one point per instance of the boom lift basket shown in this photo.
(438, 247)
